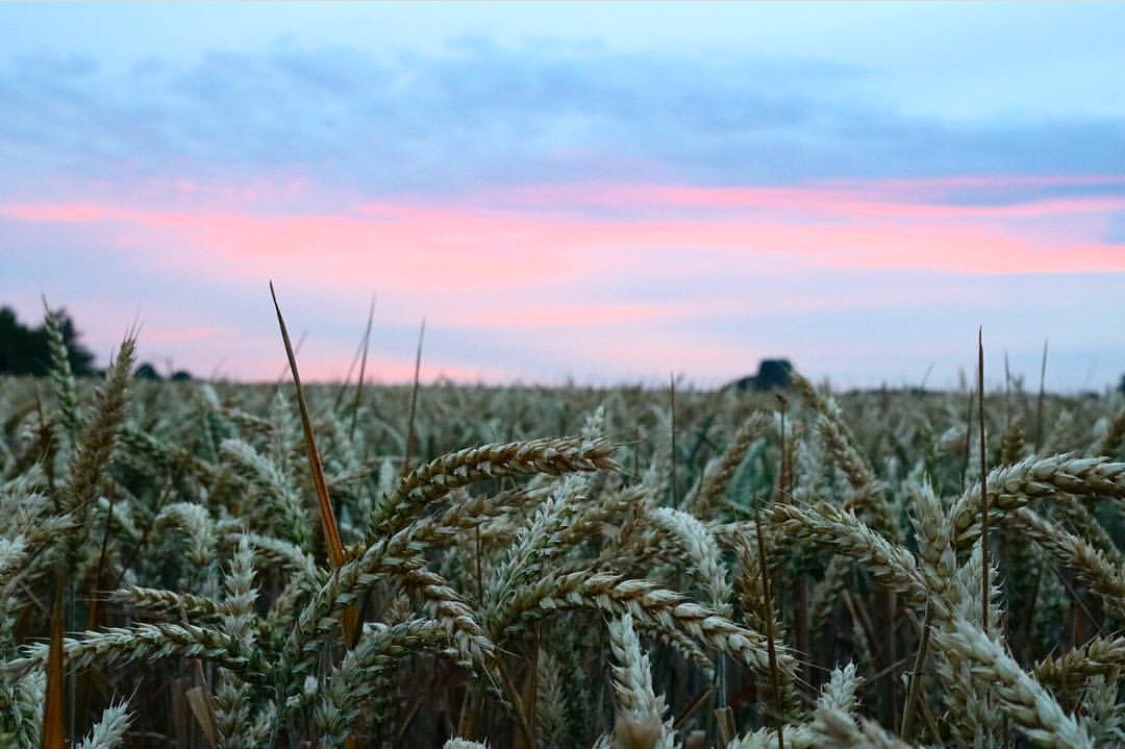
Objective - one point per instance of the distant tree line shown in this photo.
(149, 372)
(25, 351)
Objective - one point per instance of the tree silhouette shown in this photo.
(148, 372)
(773, 374)
(24, 351)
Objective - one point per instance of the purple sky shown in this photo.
(598, 191)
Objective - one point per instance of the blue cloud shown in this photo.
(1115, 233)
(480, 114)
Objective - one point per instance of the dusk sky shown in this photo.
(600, 192)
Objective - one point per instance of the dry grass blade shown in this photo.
(771, 647)
(327, 514)
(411, 437)
(54, 710)
(362, 369)
(350, 622)
(914, 687)
(198, 699)
(1039, 402)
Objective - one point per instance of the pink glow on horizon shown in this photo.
(180, 335)
(488, 257)
(227, 352)
(620, 279)
(319, 366)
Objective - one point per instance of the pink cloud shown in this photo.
(988, 181)
(48, 212)
(867, 199)
(551, 314)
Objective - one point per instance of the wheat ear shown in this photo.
(1104, 577)
(354, 681)
(431, 481)
(640, 720)
(700, 552)
(66, 393)
(842, 531)
(170, 604)
(1034, 710)
(13, 556)
(1099, 656)
(649, 605)
(144, 642)
(110, 731)
(550, 705)
(718, 476)
(101, 432)
(836, 729)
(346, 584)
(837, 695)
(1015, 486)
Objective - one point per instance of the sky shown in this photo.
(601, 193)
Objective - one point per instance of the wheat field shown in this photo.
(511, 567)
